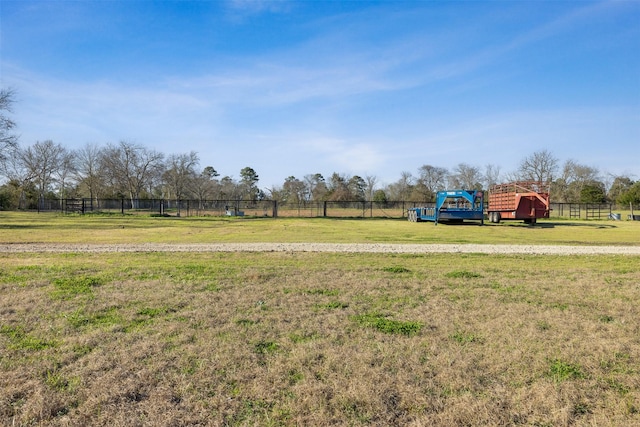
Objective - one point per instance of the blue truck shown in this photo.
(451, 206)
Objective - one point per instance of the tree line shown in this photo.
(48, 170)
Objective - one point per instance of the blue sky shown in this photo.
(303, 87)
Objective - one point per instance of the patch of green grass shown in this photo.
(14, 278)
(104, 318)
(303, 337)
(333, 305)
(265, 347)
(559, 305)
(212, 287)
(71, 286)
(543, 325)
(463, 337)
(325, 292)
(82, 349)
(388, 326)
(560, 370)
(294, 376)
(152, 312)
(21, 340)
(618, 386)
(146, 316)
(605, 318)
(463, 274)
(396, 269)
(581, 408)
(59, 382)
(245, 322)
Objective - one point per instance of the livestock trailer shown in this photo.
(520, 200)
(453, 206)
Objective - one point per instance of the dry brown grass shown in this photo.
(279, 339)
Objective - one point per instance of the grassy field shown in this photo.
(287, 339)
(52, 228)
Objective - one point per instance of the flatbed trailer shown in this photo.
(520, 200)
(453, 206)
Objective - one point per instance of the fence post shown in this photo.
(122, 206)
(324, 209)
(275, 209)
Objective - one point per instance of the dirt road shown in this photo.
(323, 247)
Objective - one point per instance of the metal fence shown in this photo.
(307, 209)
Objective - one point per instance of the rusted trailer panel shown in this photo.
(520, 200)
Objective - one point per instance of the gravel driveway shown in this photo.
(323, 247)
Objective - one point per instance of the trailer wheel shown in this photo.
(497, 217)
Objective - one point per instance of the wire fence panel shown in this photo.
(303, 209)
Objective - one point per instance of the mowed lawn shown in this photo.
(129, 339)
(105, 229)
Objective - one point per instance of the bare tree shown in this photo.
(491, 175)
(88, 170)
(431, 180)
(19, 176)
(465, 177)
(294, 192)
(131, 167)
(574, 177)
(204, 184)
(180, 172)
(317, 186)
(65, 172)
(621, 184)
(371, 181)
(401, 189)
(339, 187)
(42, 160)
(8, 140)
(540, 166)
(229, 189)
